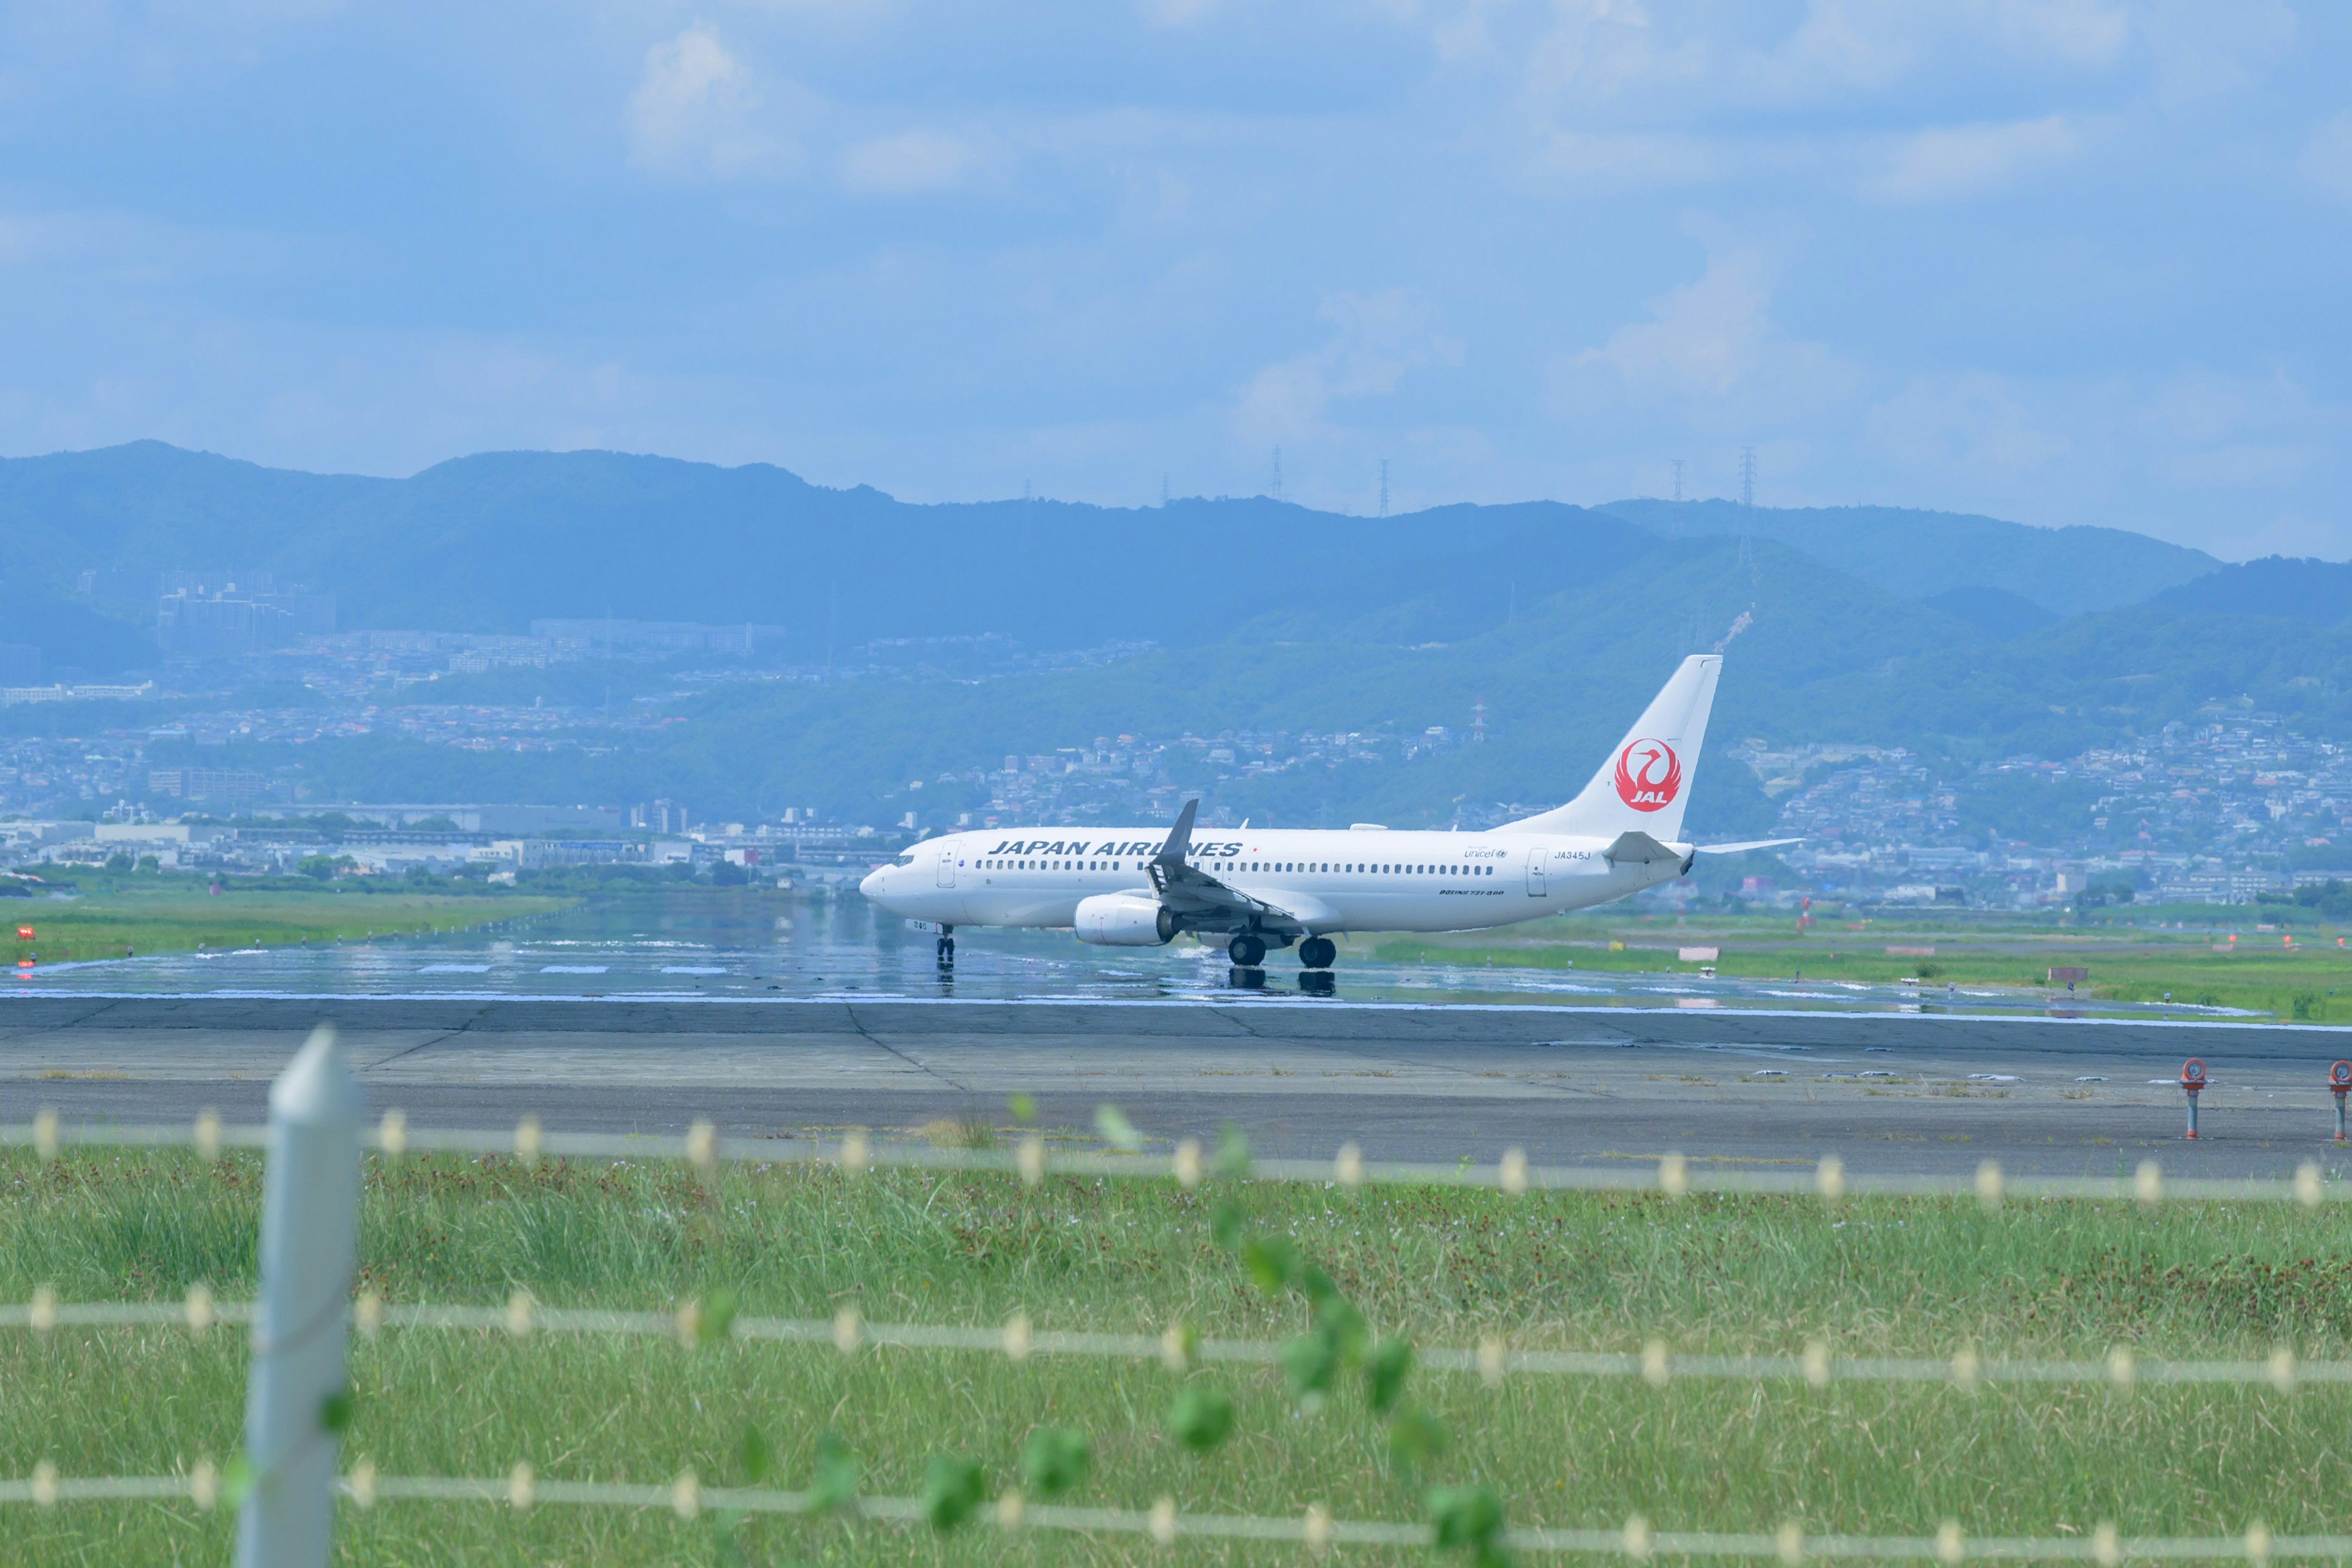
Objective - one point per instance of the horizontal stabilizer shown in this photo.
(1743, 848)
(1637, 847)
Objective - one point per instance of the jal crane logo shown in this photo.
(1649, 776)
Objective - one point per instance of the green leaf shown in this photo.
(724, 1524)
(1416, 1437)
(1271, 1260)
(1308, 1363)
(1201, 1416)
(236, 1482)
(1117, 1130)
(835, 1483)
(1233, 1153)
(1054, 1459)
(1385, 1370)
(1024, 1108)
(1225, 1222)
(1336, 1319)
(952, 1486)
(1471, 1517)
(714, 1317)
(759, 1458)
(335, 1412)
(1315, 1285)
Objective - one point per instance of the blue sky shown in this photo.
(2075, 262)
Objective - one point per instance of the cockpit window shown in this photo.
(906, 860)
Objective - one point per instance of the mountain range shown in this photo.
(1874, 624)
(489, 542)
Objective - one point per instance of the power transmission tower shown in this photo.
(1746, 476)
(1678, 479)
(1277, 473)
(1384, 487)
(1163, 491)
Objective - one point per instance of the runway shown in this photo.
(1886, 1091)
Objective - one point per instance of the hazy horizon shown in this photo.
(1341, 510)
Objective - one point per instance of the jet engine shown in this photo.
(1124, 919)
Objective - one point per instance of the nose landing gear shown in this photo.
(946, 951)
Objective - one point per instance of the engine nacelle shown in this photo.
(1124, 919)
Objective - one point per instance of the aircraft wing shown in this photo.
(1188, 889)
(1743, 848)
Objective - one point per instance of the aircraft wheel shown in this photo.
(1318, 952)
(1246, 952)
(946, 951)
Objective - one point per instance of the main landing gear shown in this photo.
(1248, 950)
(947, 949)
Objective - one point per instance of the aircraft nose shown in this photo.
(872, 886)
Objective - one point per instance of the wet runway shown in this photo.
(1888, 1091)
(839, 951)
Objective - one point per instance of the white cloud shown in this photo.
(1380, 338)
(2089, 33)
(1587, 55)
(1701, 339)
(910, 163)
(2199, 50)
(2232, 462)
(698, 111)
(1971, 421)
(1958, 161)
(1711, 347)
(1635, 160)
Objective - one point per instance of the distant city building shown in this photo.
(226, 615)
(662, 816)
(681, 636)
(207, 783)
(12, 695)
(503, 820)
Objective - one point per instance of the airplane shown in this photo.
(1272, 888)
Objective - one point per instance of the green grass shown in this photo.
(150, 913)
(1442, 1267)
(2310, 981)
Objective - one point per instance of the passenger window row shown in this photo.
(1275, 867)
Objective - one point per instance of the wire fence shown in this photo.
(286, 1482)
(1033, 1159)
(1176, 1348)
(521, 1489)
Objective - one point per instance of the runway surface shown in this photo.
(1908, 1092)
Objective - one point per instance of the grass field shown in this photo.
(2309, 978)
(148, 913)
(1439, 1267)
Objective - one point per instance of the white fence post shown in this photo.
(310, 1230)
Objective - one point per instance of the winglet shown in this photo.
(1180, 838)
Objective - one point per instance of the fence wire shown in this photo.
(1176, 1347)
(1033, 1159)
(1164, 1523)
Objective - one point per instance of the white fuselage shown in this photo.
(1357, 880)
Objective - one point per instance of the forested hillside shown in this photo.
(1877, 626)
